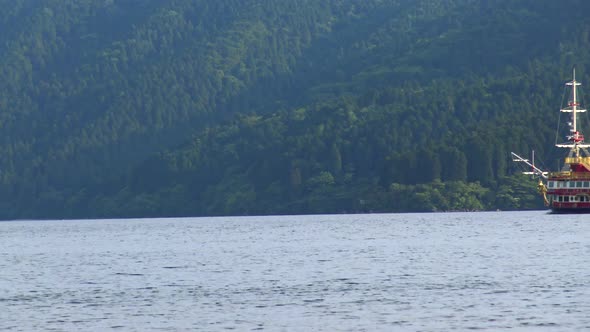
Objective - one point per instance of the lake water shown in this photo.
(378, 272)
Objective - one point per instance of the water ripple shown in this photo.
(417, 272)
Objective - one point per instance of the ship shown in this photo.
(568, 189)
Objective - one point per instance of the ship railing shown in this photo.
(563, 191)
(577, 160)
(569, 175)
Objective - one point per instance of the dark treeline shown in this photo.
(177, 107)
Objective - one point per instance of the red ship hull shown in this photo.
(570, 210)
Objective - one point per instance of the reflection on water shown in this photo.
(427, 272)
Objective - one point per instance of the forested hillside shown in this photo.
(115, 108)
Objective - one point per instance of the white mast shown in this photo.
(574, 111)
(575, 137)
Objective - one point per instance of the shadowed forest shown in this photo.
(233, 107)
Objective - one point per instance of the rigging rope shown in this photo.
(559, 116)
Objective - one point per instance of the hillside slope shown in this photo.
(135, 108)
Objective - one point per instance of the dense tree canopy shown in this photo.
(201, 107)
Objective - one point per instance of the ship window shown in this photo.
(586, 184)
(550, 184)
(570, 184)
(566, 198)
(579, 184)
(560, 198)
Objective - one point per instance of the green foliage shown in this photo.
(517, 192)
(178, 107)
(439, 196)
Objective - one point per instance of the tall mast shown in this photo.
(574, 101)
(575, 137)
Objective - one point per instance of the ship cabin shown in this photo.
(570, 189)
